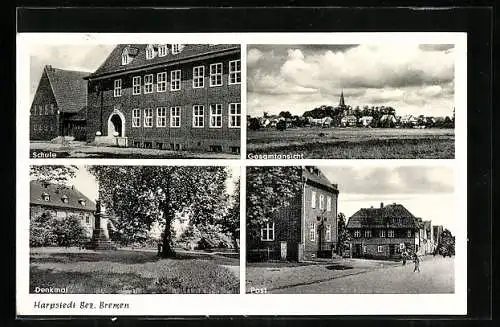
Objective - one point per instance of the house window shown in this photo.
(148, 117)
(136, 85)
(380, 249)
(161, 82)
(235, 72)
(136, 118)
(216, 115)
(312, 232)
(364, 248)
(357, 233)
(161, 117)
(176, 48)
(150, 52)
(87, 219)
(368, 233)
(321, 202)
(117, 92)
(216, 74)
(52, 109)
(198, 74)
(125, 56)
(175, 116)
(234, 115)
(382, 233)
(61, 214)
(313, 199)
(162, 50)
(40, 111)
(47, 109)
(408, 233)
(390, 233)
(267, 232)
(198, 115)
(148, 84)
(175, 80)
(328, 203)
(328, 233)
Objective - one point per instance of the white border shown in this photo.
(246, 304)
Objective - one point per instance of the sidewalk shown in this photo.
(274, 278)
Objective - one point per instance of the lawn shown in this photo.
(132, 272)
(354, 143)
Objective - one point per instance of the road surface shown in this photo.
(437, 275)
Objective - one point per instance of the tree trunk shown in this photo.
(167, 250)
(234, 237)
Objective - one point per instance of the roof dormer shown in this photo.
(64, 198)
(82, 202)
(177, 48)
(45, 196)
(125, 56)
(162, 50)
(150, 52)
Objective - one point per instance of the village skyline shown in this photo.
(414, 78)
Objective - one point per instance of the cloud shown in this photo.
(436, 47)
(401, 180)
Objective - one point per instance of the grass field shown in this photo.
(354, 143)
(132, 272)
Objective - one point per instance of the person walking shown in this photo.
(404, 255)
(416, 260)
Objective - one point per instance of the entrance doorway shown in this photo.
(116, 124)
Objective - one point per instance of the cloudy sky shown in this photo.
(414, 79)
(427, 192)
(72, 57)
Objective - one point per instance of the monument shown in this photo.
(100, 240)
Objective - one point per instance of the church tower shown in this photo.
(342, 102)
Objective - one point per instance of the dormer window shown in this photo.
(176, 48)
(125, 57)
(82, 202)
(162, 50)
(150, 52)
(64, 199)
(45, 196)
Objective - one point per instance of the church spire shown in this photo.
(342, 102)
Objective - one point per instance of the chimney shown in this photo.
(48, 67)
(381, 205)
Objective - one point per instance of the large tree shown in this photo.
(138, 196)
(446, 245)
(344, 238)
(269, 188)
(230, 220)
(53, 174)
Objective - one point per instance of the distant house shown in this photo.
(366, 120)
(59, 105)
(408, 120)
(349, 120)
(383, 232)
(386, 120)
(436, 233)
(427, 245)
(305, 229)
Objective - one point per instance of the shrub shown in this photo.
(254, 124)
(69, 231)
(41, 231)
(281, 125)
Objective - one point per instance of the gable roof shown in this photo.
(315, 177)
(383, 217)
(69, 87)
(113, 63)
(56, 193)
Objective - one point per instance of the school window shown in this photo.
(162, 50)
(364, 248)
(409, 233)
(117, 92)
(198, 74)
(176, 48)
(175, 116)
(198, 115)
(357, 233)
(161, 117)
(321, 202)
(328, 203)
(136, 85)
(125, 57)
(380, 249)
(235, 72)
(216, 74)
(328, 233)
(313, 199)
(148, 84)
(390, 233)
(148, 117)
(382, 233)
(175, 80)
(267, 232)
(150, 52)
(312, 232)
(368, 233)
(216, 115)
(234, 115)
(136, 118)
(161, 82)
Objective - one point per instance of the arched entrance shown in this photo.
(116, 124)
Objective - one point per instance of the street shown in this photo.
(436, 275)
